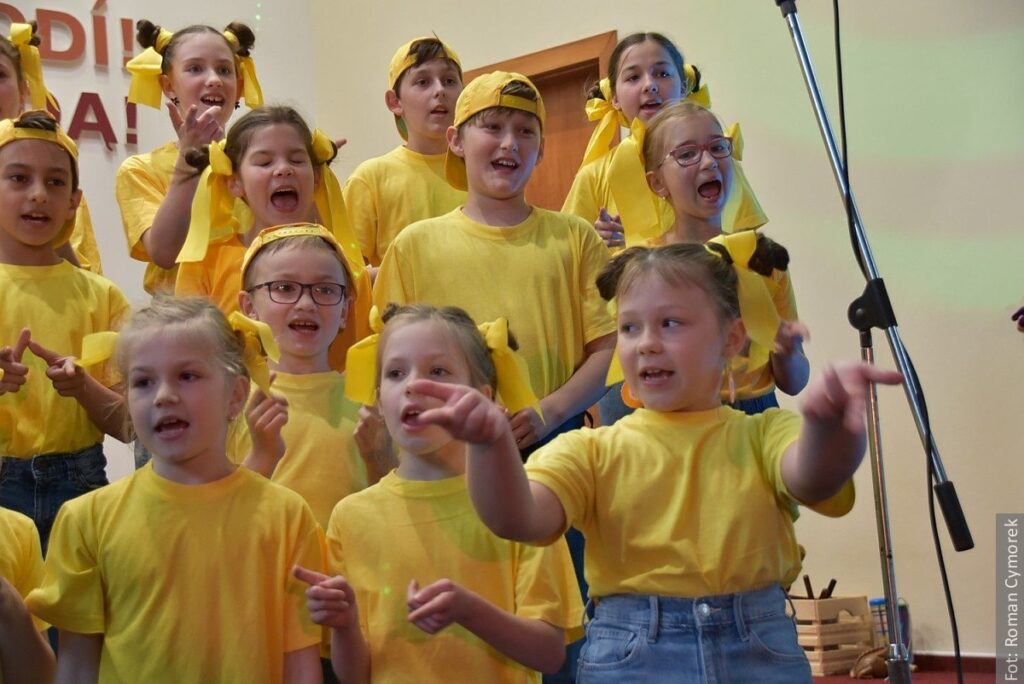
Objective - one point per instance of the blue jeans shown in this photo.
(38, 486)
(645, 639)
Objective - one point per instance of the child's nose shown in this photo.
(650, 83)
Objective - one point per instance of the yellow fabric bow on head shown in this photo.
(31, 67)
(513, 385)
(145, 69)
(609, 120)
(259, 343)
(252, 93)
(760, 317)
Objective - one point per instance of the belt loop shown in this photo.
(655, 614)
(737, 614)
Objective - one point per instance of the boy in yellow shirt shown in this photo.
(387, 193)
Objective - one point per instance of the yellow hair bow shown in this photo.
(259, 344)
(145, 69)
(742, 211)
(361, 364)
(251, 91)
(330, 203)
(512, 374)
(638, 206)
(702, 95)
(9, 132)
(602, 110)
(31, 66)
(757, 309)
(212, 206)
(96, 348)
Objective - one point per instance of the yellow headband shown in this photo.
(513, 386)
(213, 204)
(403, 60)
(31, 67)
(146, 68)
(275, 233)
(9, 133)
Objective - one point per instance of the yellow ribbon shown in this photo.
(609, 120)
(513, 384)
(702, 95)
(330, 203)
(96, 348)
(212, 206)
(251, 91)
(31, 67)
(742, 211)
(9, 132)
(259, 343)
(627, 180)
(511, 370)
(757, 309)
(145, 69)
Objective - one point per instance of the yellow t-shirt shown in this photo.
(399, 530)
(141, 185)
(591, 190)
(21, 556)
(681, 504)
(60, 304)
(321, 461)
(386, 194)
(186, 583)
(540, 275)
(83, 240)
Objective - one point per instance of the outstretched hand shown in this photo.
(331, 600)
(837, 400)
(467, 415)
(12, 371)
(194, 129)
(67, 377)
(436, 605)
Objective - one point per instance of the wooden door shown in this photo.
(562, 74)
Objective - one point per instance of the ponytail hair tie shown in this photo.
(31, 66)
(510, 368)
(212, 205)
(258, 343)
(145, 69)
(251, 91)
(361, 364)
(698, 92)
(609, 120)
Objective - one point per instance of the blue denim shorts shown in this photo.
(38, 486)
(746, 637)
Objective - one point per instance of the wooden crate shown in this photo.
(833, 631)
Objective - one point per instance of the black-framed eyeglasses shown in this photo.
(690, 153)
(289, 292)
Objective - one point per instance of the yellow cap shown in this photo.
(403, 59)
(484, 92)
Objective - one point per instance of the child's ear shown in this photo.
(247, 305)
(656, 185)
(166, 86)
(393, 104)
(76, 199)
(735, 338)
(455, 141)
(235, 186)
(540, 150)
(239, 393)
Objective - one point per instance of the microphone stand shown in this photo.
(873, 309)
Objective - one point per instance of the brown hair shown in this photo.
(681, 263)
(459, 327)
(42, 121)
(146, 33)
(634, 39)
(655, 141)
(423, 51)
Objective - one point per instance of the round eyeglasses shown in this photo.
(690, 153)
(289, 292)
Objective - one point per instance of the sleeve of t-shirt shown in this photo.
(597, 322)
(565, 467)
(83, 240)
(546, 588)
(391, 285)
(362, 215)
(779, 430)
(30, 567)
(299, 630)
(582, 199)
(783, 296)
(70, 596)
(139, 195)
(119, 309)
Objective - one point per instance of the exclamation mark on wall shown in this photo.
(127, 39)
(99, 33)
(131, 136)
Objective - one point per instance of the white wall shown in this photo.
(937, 154)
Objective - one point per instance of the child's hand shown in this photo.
(790, 337)
(195, 130)
(467, 414)
(368, 431)
(527, 427)
(610, 229)
(67, 378)
(437, 605)
(838, 399)
(331, 600)
(12, 370)
(265, 416)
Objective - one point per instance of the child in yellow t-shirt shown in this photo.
(204, 73)
(689, 162)
(387, 193)
(280, 168)
(181, 572)
(25, 655)
(53, 414)
(22, 75)
(687, 505)
(423, 591)
(296, 280)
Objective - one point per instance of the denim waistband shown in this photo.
(704, 611)
(52, 466)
